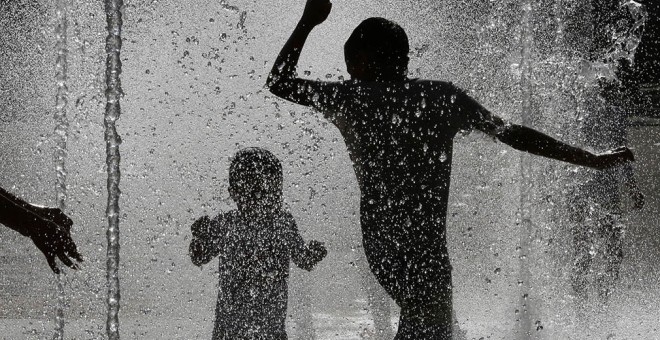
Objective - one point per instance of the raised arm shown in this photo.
(49, 229)
(282, 80)
(205, 244)
(532, 141)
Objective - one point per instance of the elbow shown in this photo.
(274, 85)
(272, 80)
(511, 136)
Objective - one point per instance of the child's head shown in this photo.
(255, 181)
(377, 50)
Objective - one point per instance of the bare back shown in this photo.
(399, 137)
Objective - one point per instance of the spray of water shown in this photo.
(525, 312)
(112, 111)
(623, 47)
(60, 139)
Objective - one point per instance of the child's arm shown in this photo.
(205, 244)
(49, 229)
(282, 80)
(532, 141)
(305, 257)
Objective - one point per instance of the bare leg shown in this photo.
(430, 322)
(582, 259)
(377, 300)
(612, 234)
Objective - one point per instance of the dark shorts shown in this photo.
(406, 250)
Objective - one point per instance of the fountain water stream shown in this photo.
(113, 92)
(60, 141)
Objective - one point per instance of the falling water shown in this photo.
(112, 111)
(60, 139)
(525, 308)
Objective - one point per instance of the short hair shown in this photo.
(382, 39)
(251, 164)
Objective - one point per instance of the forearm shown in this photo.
(529, 140)
(15, 213)
(284, 67)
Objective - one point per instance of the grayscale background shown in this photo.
(193, 78)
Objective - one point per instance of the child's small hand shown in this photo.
(316, 11)
(202, 227)
(317, 251)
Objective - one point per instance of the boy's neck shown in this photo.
(382, 79)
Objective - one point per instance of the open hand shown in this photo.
(202, 227)
(316, 11)
(615, 157)
(317, 251)
(51, 233)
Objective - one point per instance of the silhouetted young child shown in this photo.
(255, 244)
(399, 134)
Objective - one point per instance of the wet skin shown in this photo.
(49, 229)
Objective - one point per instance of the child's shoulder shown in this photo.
(435, 85)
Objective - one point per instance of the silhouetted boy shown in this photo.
(399, 134)
(255, 244)
(49, 229)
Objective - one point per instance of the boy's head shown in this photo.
(377, 50)
(255, 181)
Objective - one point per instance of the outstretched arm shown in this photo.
(205, 244)
(532, 141)
(529, 140)
(282, 80)
(304, 256)
(49, 229)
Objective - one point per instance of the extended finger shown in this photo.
(50, 258)
(67, 261)
(72, 251)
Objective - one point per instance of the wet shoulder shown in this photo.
(442, 92)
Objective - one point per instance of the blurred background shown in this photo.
(193, 78)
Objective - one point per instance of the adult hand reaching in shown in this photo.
(50, 231)
(614, 157)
